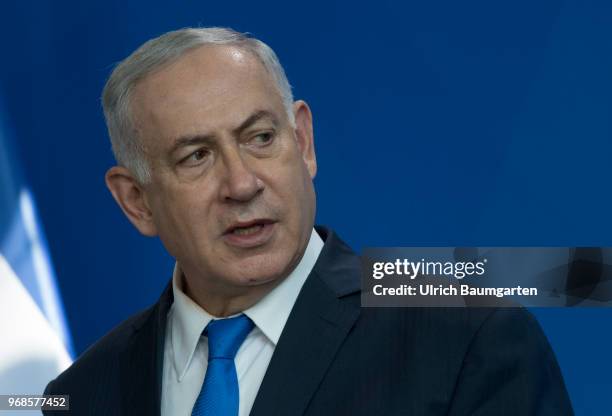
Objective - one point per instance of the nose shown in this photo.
(239, 182)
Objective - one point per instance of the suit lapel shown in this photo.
(142, 362)
(317, 326)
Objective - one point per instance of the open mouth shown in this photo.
(250, 234)
(248, 227)
(247, 230)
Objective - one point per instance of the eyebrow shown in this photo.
(254, 118)
(199, 139)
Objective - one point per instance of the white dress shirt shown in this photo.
(186, 351)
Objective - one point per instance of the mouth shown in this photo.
(247, 227)
(249, 234)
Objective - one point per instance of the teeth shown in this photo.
(247, 230)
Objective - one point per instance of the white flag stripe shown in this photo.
(42, 267)
(31, 353)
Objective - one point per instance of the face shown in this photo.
(231, 193)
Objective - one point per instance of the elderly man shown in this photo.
(262, 315)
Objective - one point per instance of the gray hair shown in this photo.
(151, 56)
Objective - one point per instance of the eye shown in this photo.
(262, 139)
(195, 158)
(199, 154)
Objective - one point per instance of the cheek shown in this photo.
(182, 221)
(298, 197)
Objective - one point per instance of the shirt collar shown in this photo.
(270, 314)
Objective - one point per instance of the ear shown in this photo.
(130, 196)
(305, 136)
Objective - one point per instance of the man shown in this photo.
(263, 315)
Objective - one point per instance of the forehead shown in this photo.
(211, 87)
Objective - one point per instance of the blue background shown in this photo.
(438, 122)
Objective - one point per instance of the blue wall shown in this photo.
(438, 122)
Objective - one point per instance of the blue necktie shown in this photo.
(219, 394)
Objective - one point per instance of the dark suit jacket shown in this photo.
(336, 358)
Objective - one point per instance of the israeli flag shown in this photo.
(35, 344)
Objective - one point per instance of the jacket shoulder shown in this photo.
(99, 364)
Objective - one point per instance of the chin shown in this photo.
(260, 270)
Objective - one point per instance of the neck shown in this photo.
(221, 303)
